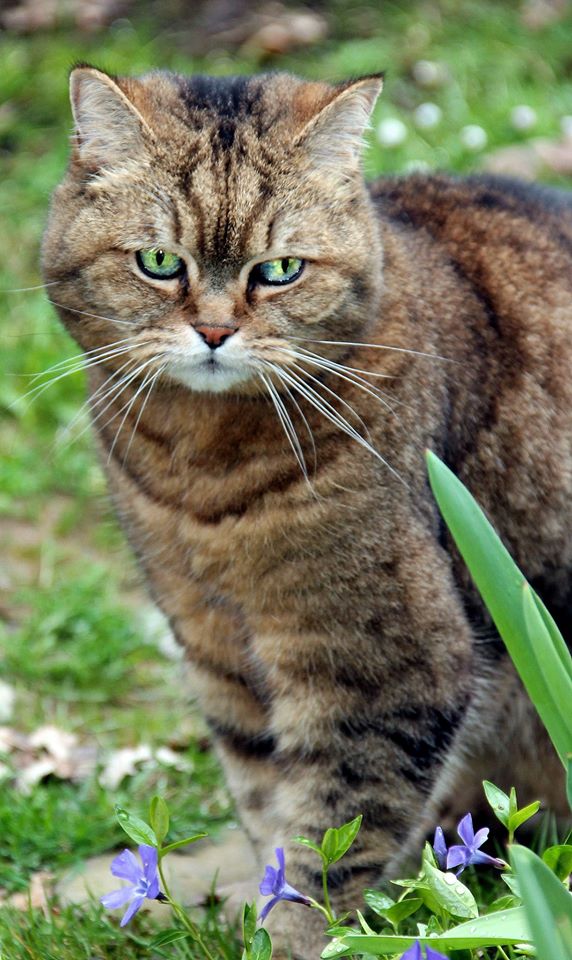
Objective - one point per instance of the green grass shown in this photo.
(69, 593)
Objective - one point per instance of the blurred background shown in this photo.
(93, 710)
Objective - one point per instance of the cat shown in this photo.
(271, 344)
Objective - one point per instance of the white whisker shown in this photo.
(286, 422)
(95, 316)
(376, 346)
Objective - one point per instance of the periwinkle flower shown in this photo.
(143, 881)
(466, 853)
(440, 848)
(414, 953)
(274, 885)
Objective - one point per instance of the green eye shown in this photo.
(276, 272)
(160, 264)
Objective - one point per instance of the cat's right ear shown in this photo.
(108, 127)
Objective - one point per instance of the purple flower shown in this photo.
(414, 953)
(467, 853)
(143, 882)
(440, 848)
(274, 884)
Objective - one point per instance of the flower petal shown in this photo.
(154, 889)
(267, 908)
(131, 910)
(117, 898)
(414, 952)
(458, 856)
(290, 893)
(465, 830)
(440, 847)
(434, 955)
(479, 857)
(279, 851)
(126, 867)
(269, 881)
(149, 859)
(480, 837)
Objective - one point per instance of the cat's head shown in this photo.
(209, 227)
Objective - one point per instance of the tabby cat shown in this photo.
(271, 345)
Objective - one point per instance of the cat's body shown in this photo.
(338, 652)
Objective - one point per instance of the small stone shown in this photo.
(473, 137)
(391, 132)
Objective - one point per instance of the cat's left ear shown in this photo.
(109, 127)
(334, 137)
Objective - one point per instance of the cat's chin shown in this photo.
(211, 378)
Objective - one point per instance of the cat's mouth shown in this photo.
(210, 373)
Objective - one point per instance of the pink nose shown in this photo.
(214, 336)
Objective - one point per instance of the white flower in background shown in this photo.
(427, 73)
(427, 115)
(473, 137)
(566, 126)
(523, 117)
(391, 132)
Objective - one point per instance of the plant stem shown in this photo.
(187, 923)
(327, 905)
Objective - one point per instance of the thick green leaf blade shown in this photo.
(505, 927)
(500, 583)
(569, 779)
(137, 829)
(555, 675)
(548, 905)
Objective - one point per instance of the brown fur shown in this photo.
(339, 653)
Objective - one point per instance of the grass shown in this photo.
(70, 595)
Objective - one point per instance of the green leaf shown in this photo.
(378, 902)
(330, 845)
(517, 614)
(249, 918)
(137, 829)
(559, 860)
(548, 905)
(506, 927)
(346, 835)
(512, 803)
(308, 843)
(521, 816)
(159, 817)
(569, 779)
(512, 883)
(402, 909)
(450, 894)
(182, 843)
(498, 801)
(261, 947)
(169, 936)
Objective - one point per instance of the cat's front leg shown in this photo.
(364, 723)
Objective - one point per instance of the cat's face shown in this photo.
(208, 229)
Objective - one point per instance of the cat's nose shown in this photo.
(215, 336)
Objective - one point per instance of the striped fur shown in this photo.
(339, 653)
